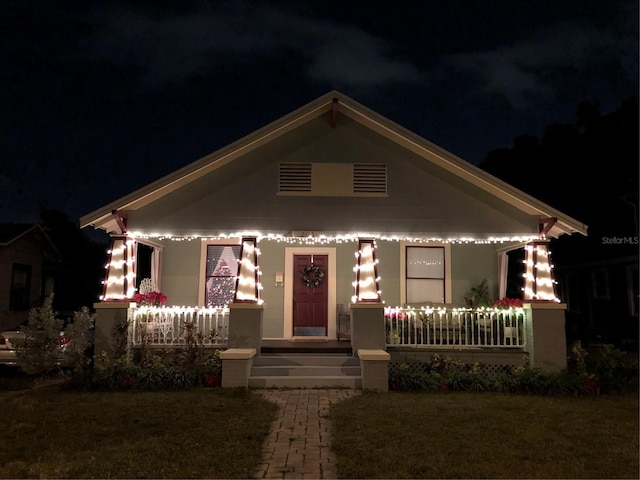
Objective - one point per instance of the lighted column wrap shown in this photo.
(367, 283)
(539, 284)
(119, 282)
(248, 282)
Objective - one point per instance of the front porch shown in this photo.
(425, 328)
(378, 336)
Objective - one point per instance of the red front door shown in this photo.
(310, 295)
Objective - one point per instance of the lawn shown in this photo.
(201, 433)
(48, 432)
(486, 435)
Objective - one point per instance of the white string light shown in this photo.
(328, 239)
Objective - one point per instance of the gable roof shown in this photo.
(11, 232)
(103, 217)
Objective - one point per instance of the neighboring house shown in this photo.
(27, 265)
(311, 191)
(602, 300)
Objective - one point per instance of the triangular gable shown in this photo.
(326, 105)
(12, 232)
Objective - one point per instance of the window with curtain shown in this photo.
(425, 274)
(221, 272)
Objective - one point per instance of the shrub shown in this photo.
(614, 371)
(145, 368)
(78, 353)
(39, 351)
(447, 374)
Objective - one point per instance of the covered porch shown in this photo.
(375, 331)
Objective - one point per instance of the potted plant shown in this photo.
(478, 296)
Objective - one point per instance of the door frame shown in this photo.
(330, 278)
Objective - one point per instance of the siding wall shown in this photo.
(422, 198)
(30, 250)
(181, 280)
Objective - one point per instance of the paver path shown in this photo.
(298, 445)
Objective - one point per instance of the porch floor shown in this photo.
(311, 346)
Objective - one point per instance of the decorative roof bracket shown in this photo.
(121, 219)
(544, 225)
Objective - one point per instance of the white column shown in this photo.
(119, 283)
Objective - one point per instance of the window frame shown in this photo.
(600, 284)
(447, 289)
(632, 289)
(24, 302)
(202, 278)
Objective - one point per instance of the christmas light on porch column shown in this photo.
(119, 283)
(367, 283)
(248, 282)
(539, 281)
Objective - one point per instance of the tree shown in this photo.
(587, 169)
(81, 269)
(39, 350)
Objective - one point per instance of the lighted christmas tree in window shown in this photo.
(221, 279)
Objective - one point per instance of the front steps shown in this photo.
(306, 370)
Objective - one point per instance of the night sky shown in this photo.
(99, 98)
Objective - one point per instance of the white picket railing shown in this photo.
(170, 325)
(455, 327)
(426, 326)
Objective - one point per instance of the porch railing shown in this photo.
(455, 327)
(172, 326)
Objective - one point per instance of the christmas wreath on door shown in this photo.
(312, 275)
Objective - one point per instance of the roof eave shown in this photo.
(101, 218)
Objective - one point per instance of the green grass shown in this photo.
(472, 435)
(200, 433)
(48, 432)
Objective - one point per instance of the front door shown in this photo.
(310, 295)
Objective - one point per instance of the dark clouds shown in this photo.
(100, 98)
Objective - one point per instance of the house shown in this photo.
(27, 266)
(350, 214)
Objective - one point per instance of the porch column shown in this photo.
(245, 325)
(108, 316)
(367, 326)
(119, 282)
(545, 335)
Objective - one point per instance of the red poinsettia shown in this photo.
(394, 314)
(508, 303)
(154, 299)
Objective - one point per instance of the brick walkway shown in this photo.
(298, 445)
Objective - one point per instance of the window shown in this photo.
(425, 274)
(20, 287)
(632, 289)
(600, 279)
(221, 272)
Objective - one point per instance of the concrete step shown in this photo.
(306, 382)
(305, 359)
(306, 371)
(306, 347)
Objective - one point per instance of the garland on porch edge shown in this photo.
(312, 275)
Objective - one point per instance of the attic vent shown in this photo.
(294, 177)
(369, 178)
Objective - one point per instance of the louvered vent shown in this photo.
(294, 177)
(369, 178)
